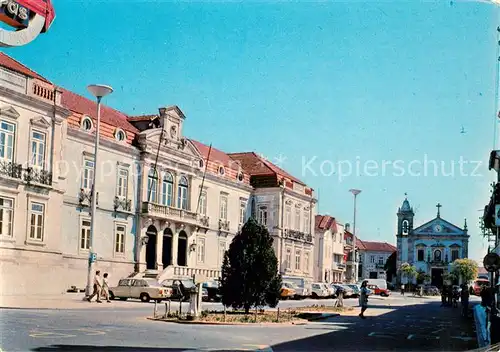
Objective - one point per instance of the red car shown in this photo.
(379, 291)
(478, 285)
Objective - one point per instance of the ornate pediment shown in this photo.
(40, 122)
(438, 227)
(9, 111)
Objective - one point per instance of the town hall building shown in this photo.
(432, 246)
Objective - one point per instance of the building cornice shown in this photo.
(36, 103)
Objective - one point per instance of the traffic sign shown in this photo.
(93, 257)
(491, 262)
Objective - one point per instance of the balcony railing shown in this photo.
(29, 175)
(174, 214)
(298, 235)
(123, 203)
(338, 266)
(223, 225)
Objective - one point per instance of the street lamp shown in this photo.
(355, 192)
(99, 91)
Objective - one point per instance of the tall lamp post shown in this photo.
(355, 192)
(99, 91)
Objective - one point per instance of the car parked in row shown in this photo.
(319, 290)
(143, 289)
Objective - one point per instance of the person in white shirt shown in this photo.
(97, 287)
(105, 287)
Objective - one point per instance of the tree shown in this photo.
(390, 266)
(250, 275)
(466, 269)
(422, 277)
(407, 271)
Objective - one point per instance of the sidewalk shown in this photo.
(62, 301)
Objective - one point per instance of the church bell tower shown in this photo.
(405, 226)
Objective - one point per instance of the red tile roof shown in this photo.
(325, 222)
(79, 104)
(142, 118)
(375, 246)
(16, 66)
(255, 165)
(217, 158)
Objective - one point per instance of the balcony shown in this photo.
(298, 236)
(29, 175)
(175, 214)
(438, 263)
(224, 225)
(338, 266)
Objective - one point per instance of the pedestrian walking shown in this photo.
(464, 297)
(97, 287)
(105, 287)
(340, 296)
(403, 289)
(363, 299)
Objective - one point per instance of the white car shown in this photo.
(144, 289)
(319, 290)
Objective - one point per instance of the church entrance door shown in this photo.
(437, 277)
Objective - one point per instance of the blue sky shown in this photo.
(344, 82)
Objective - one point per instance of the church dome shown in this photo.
(406, 206)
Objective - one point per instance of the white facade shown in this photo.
(372, 264)
(329, 264)
(31, 194)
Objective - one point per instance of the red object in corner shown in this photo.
(41, 7)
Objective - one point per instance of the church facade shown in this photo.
(431, 247)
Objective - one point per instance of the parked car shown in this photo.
(180, 288)
(379, 291)
(298, 290)
(144, 289)
(355, 289)
(332, 291)
(213, 290)
(319, 290)
(349, 291)
(204, 294)
(304, 286)
(478, 285)
(287, 290)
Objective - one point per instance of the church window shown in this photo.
(437, 255)
(406, 226)
(420, 255)
(454, 254)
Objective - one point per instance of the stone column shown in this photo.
(159, 250)
(175, 246)
(142, 250)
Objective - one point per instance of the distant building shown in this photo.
(431, 247)
(373, 256)
(350, 260)
(329, 263)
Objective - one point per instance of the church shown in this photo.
(432, 246)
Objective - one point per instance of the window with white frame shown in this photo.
(152, 186)
(85, 234)
(306, 262)
(288, 217)
(122, 183)
(243, 207)
(38, 149)
(223, 207)
(297, 259)
(87, 173)
(306, 228)
(120, 239)
(297, 220)
(182, 193)
(372, 259)
(167, 189)
(381, 260)
(6, 216)
(7, 136)
(288, 258)
(222, 252)
(263, 215)
(37, 221)
(201, 250)
(203, 203)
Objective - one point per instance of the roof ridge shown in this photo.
(26, 67)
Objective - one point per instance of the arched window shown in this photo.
(182, 193)
(405, 227)
(167, 189)
(437, 255)
(152, 186)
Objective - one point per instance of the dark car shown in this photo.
(213, 291)
(180, 288)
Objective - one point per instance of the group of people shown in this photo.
(451, 294)
(100, 288)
